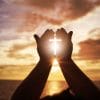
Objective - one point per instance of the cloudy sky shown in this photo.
(21, 19)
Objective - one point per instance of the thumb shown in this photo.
(70, 34)
(36, 38)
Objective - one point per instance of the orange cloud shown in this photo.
(19, 56)
(89, 49)
(34, 20)
(54, 11)
(27, 15)
(13, 52)
(95, 33)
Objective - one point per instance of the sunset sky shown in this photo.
(21, 19)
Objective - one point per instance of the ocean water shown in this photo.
(7, 87)
(54, 87)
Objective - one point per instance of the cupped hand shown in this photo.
(43, 46)
(67, 46)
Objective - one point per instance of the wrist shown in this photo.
(45, 62)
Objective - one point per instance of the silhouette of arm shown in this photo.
(31, 88)
(77, 80)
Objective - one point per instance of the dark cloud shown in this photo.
(28, 14)
(38, 3)
(11, 15)
(55, 11)
(43, 3)
(89, 49)
(2, 2)
(79, 8)
(34, 20)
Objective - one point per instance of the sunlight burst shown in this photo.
(55, 46)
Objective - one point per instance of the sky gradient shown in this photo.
(21, 19)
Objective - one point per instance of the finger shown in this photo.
(62, 30)
(47, 33)
(36, 38)
(61, 33)
(70, 34)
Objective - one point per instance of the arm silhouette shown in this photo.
(78, 82)
(31, 88)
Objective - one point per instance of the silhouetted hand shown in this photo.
(67, 45)
(78, 82)
(43, 45)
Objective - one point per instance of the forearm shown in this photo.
(31, 88)
(78, 81)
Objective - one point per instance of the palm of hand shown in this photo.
(43, 45)
(44, 48)
(67, 45)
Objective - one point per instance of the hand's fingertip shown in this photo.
(51, 31)
(34, 35)
(61, 30)
(70, 34)
(36, 38)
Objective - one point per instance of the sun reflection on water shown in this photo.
(56, 82)
(54, 87)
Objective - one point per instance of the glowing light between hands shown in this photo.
(55, 46)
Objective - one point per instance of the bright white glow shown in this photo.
(55, 45)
